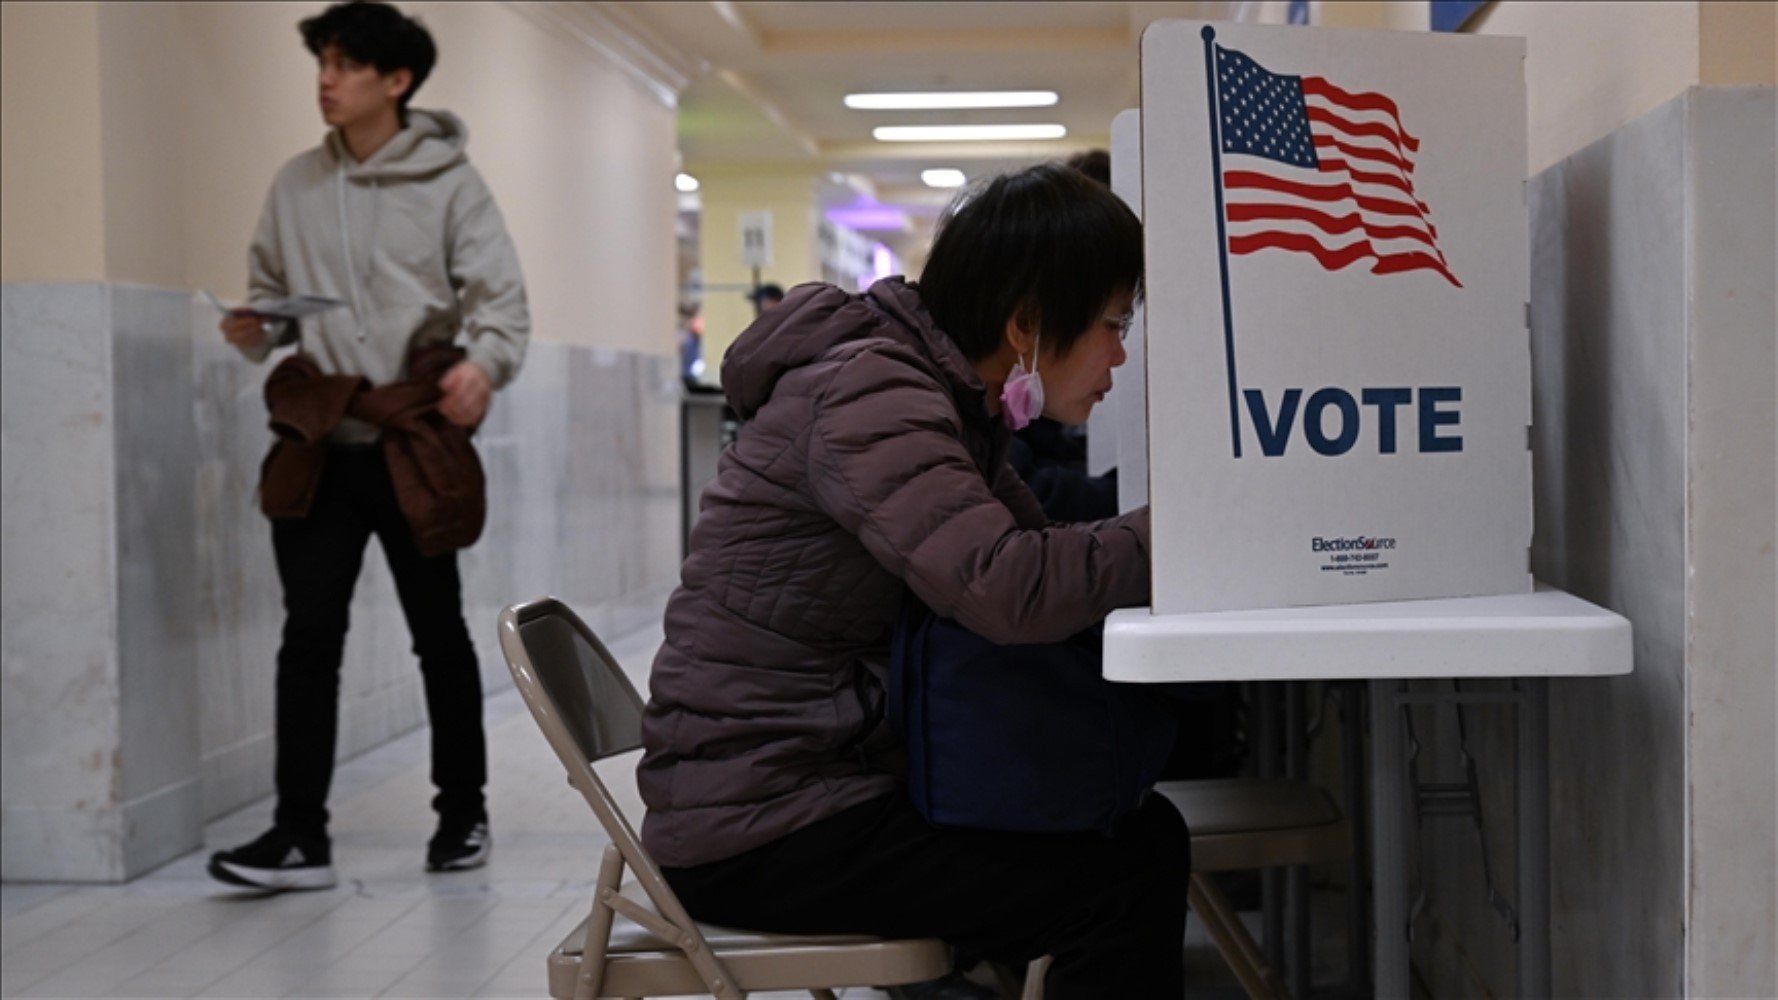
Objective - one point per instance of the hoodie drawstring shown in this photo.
(346, 246)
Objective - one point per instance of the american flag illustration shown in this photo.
(1312, 168)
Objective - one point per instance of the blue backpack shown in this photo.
(1028, 738)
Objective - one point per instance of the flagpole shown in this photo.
(1222, 243)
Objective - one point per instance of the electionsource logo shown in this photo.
(1320, 544)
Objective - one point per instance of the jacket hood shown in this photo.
(432, 141)
(815, 318)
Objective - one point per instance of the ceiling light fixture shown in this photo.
(685, 183)
(952, 99)
(965, 133)
(943, 178)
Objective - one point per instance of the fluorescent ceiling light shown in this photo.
(953, 99)
(965, 133)
(943, 178)
(685, 183)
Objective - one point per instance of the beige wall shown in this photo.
(49, 143)
(790, 195)
(193, 107)
(1592, 67)
(1738, 43)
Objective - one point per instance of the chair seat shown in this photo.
(641, 963)
(1239, 823)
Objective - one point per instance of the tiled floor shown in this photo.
(389, 929)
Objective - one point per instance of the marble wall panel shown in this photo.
(239, 616)
(59, 788)
(155, 451)
(1608, 326)
(1609, 335)
(142, 609)
(1732, 496)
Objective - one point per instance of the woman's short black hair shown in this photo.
(377, 34)
(1047, 244)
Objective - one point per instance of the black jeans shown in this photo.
(319, 557)
(1110, 909)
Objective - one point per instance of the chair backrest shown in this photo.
(598, 709)
(588, 710)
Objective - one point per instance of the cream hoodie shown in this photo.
(410, 239)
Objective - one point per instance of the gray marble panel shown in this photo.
(238, 598)
(1609, 334)
(1609, 330)
(59, 789)
(142, 609)
(156, 453)
(1732, 495)
(582, 458)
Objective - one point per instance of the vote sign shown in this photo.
(1338, 362)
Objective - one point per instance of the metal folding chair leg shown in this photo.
(598, 927)
(1034, 974)
(1238, 948)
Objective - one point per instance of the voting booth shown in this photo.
(1336, 412)
(1127, 422)
(1338, 388)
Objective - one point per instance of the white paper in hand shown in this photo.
(292, 307)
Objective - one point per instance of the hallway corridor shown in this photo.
(389, 929)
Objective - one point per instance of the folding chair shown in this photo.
(1239, 823)
(638, 940)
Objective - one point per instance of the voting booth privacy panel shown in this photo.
(1338, 365)
(1128, 399)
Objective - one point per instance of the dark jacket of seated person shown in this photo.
(867, 463)
(872, 465)
(1053, 462)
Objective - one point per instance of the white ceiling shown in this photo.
(767, 79)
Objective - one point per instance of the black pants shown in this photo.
(319, 557)
(1111, 910)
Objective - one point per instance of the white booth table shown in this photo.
(1525, 637)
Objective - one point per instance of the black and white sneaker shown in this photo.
(457, 846)
(278, 860)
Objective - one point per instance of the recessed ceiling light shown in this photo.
(965, 133)
(685, 183)
(943, 178)
(952, 99)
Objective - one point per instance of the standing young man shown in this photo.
(387, 216)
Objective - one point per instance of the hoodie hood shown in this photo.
(431, 142)
(816, 318)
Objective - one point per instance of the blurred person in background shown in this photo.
(387, 217)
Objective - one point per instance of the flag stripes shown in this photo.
(1310, 167)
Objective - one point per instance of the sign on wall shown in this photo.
(756, 239)
(1338, 360)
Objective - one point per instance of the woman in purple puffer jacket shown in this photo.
(873, 461)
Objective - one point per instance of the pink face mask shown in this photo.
(1021, 400)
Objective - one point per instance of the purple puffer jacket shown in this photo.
(867, 465)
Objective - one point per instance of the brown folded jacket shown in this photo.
(438, 479)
